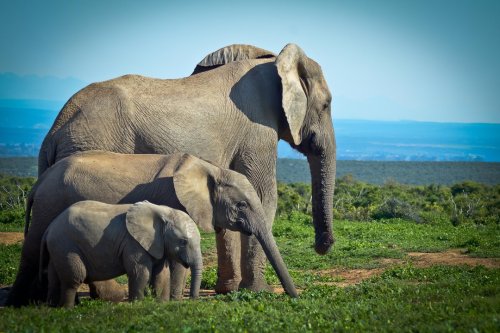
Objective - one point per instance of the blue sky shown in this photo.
(384, 60)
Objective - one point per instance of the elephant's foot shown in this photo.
(107, 290)
(256, 285)
(226, 286)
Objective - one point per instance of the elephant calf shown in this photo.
(93, 241)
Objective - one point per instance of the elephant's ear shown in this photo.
(194, 183)
(294, 99)
(144, 222)
(231, 53)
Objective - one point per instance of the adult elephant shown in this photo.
(240, 101)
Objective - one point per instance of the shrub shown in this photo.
(395, 208)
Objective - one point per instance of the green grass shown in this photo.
(9, 261)
(362, 244)
(404, 299)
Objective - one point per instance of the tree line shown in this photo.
(354, 200)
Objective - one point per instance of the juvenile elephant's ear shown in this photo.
(194, 183)
(231, 53)
(294, 99)
(144, 223)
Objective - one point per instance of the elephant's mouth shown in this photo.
(183, 263)
(246, 233)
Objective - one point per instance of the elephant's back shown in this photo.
(106, 166)
(116, 178)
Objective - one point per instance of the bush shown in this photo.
(394, 208)
(466, 202)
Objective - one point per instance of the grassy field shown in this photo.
(400, 293)
(406, 259)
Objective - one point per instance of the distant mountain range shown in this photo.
(29, 105)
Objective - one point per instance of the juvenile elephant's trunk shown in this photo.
(273, 255)
(196, 270)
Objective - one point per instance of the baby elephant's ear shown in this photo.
(144, 223)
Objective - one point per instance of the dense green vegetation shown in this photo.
(466, 202)
(13, 193)
(373, 223)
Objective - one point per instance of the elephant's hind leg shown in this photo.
(253, 264)
(71, 272)
(160, 282)
(53, 294)
(26, 288)
(68, 295)
(137, 281)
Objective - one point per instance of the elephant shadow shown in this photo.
(257, 94)
(159, 191)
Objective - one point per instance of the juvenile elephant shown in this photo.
(92, 241)
(214, 198)
(240, 101)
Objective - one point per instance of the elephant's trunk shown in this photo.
(196, 270)
(273, 255)
(323, 168)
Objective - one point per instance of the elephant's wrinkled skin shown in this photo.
(92, 241)
(232, 111)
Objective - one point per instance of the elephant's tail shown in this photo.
(44, 256)
(29, 203)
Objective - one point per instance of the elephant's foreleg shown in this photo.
(253, 263)
(228, 260)
(109, 290)
(178, 275)
(253, 258)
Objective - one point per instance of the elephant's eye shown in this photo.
(183, 242)
(241, 205)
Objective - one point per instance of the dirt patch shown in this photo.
(349, 277)
(8, 238)
(452, 257)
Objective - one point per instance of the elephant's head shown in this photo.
(307, 121)
(162, 230)
(306, 102)
(223, 199)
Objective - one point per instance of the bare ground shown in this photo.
(11, 237)
(346, 276)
